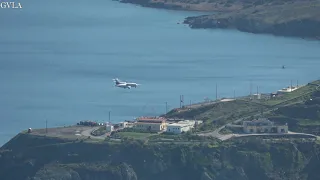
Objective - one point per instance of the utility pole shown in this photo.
(180, 101)
(166, 107)
(250, 88)
(46, 126)
(216, 91)
(109, 116)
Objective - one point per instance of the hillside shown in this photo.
(302, 117)
(297, 18)
(246, 159)
(218, 114)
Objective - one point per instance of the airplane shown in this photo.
(124, 84)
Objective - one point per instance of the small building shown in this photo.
(181, 126)
(151, 124)
(263, 125)
(109, 128)
(287, 89)
(256, 96)
(123, 124)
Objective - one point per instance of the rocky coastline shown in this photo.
(291, 18)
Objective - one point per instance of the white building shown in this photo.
(123, 124)
(263, 125)
(182, 126)
(256, 96)
(109, 128)
(288, 89)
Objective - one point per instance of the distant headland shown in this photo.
(293, 18)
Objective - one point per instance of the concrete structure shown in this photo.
(151, 124)
(109, 128)
(288, 89)
(123, 124)
(263, 125)
(182, 126)
(256, 96)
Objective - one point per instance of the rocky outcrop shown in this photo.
(295, 19)
(57, 173)
(246, 159)
(157, 4)
(305, 28)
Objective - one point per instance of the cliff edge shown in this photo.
(294, 18)
(244, 159)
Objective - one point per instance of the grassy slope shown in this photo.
(218, 114)
(224, 112)
(301, 117)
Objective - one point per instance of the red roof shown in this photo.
(151, 119)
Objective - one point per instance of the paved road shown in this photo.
(228, 136)
(216, 133)
(87, 133)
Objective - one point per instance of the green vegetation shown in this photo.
(135, 135)
(101, 131)
(299, 18)
(216, 115)
(294, 18)
(299, 95)
(301, 117)
(248, 158)
(186, 156)
(221, 113)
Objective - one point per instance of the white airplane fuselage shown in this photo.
(125, 84)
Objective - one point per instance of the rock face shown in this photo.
(56, 173)
(245, 159)
(306, 27)
(296, 18)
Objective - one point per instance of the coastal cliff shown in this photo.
(132, 160)
(294, 18)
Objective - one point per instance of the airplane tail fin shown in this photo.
(116, 80)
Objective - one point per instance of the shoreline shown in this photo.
(72, 132)
(296, 19)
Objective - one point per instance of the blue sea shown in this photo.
(58, 59)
